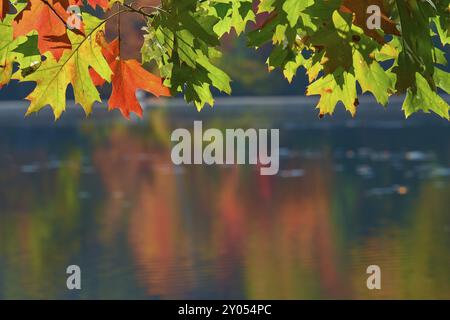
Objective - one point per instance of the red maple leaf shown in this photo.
(48, 18)
(128, 76)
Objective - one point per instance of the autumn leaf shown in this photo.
(128, 76)
(330, 39)
(53, 76)
(9, 53)
(48, 18)
(104, 4)
(7, 43)
(359, 10)
(4, 7)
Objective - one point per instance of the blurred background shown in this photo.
(102, 193)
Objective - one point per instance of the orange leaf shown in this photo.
(4, 7)
(104, 4)
(128, 76)
(48, 19)
(110, 51)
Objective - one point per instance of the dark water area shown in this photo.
(102, 193)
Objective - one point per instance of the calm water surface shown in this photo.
(102, 193)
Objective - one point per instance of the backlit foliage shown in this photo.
(330, 39)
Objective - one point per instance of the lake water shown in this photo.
(102, 193)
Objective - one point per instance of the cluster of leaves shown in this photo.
(35, 37)
(343, 57)
(330, 39)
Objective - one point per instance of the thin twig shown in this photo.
(141, 10)
(153, 7)
(54, 11)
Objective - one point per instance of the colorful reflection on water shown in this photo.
(103, 194)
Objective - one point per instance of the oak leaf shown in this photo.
(359, 10)
(54, 76)
(4, 7)
(104, 4)
(128, 76)
(48, 18)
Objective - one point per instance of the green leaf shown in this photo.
(442, 79)
(373, 78)
(333, 88)
(417, 49)
(184, 46)
(424, 99)
(233, 14)
(7, 46)
(293, 9)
